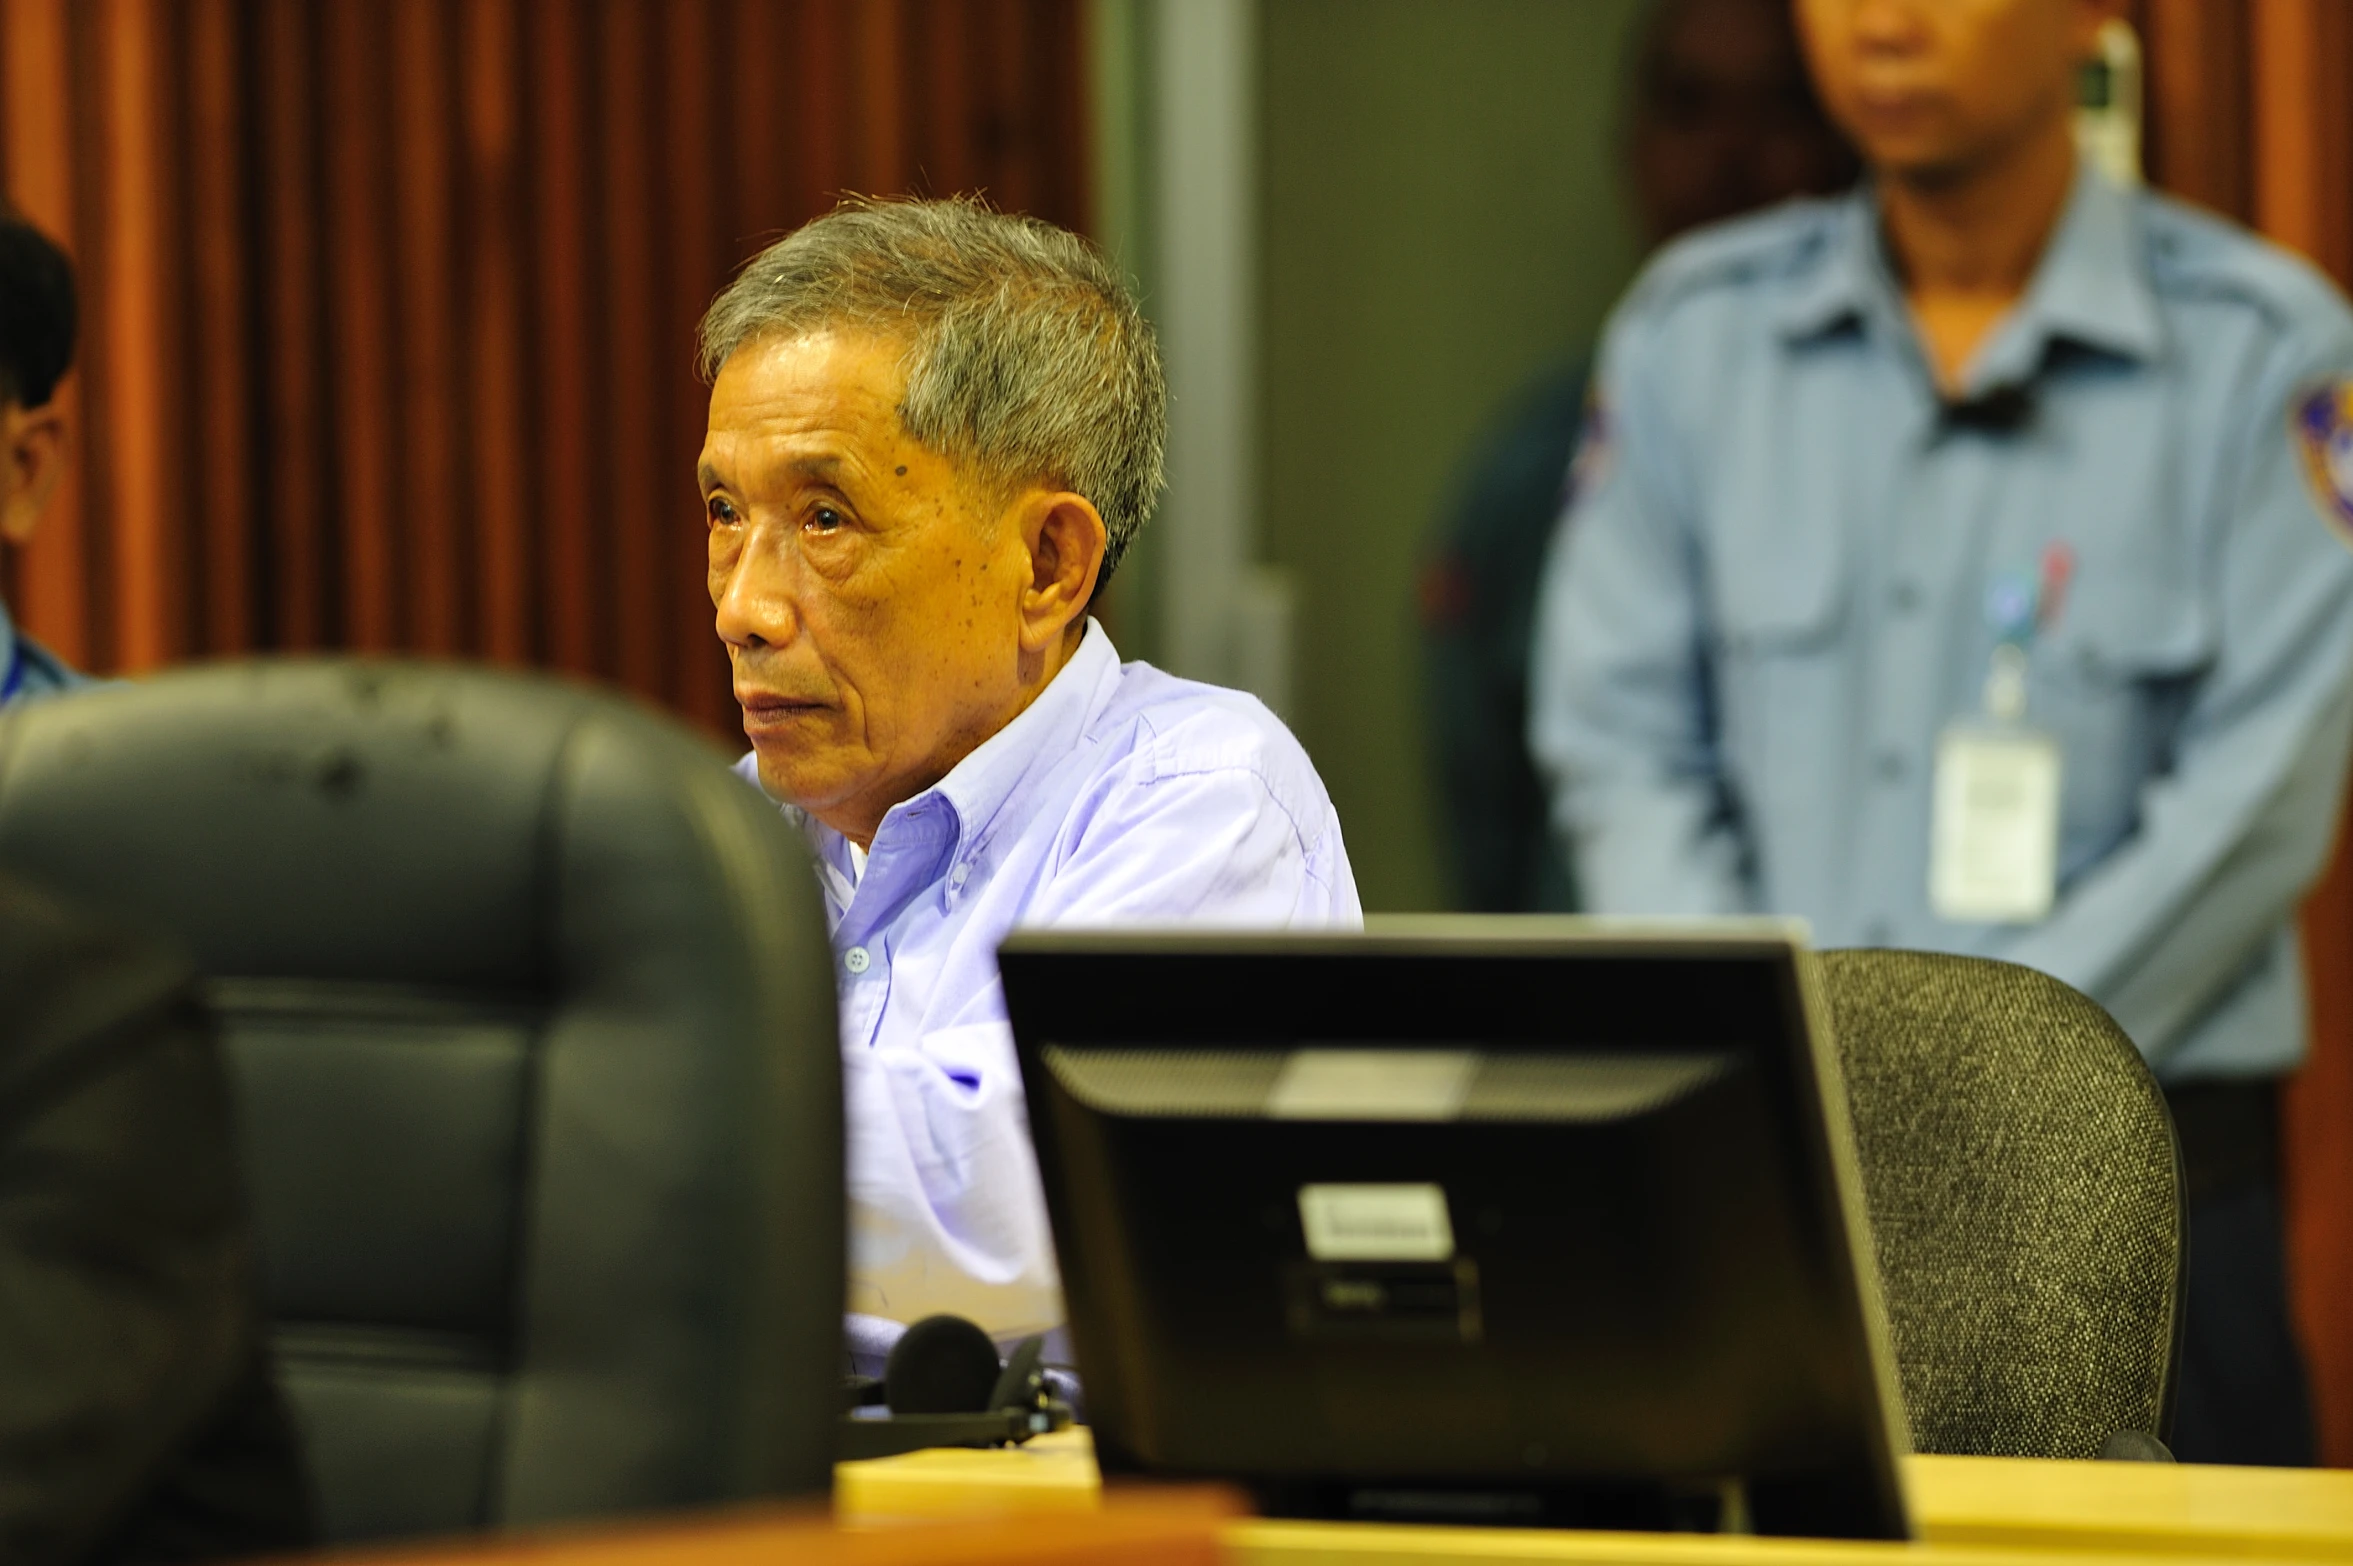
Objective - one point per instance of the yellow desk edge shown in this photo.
(1963, 1505)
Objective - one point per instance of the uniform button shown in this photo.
(857, 959)
(1906, 596)
(1889, 765)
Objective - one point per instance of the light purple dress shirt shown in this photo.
(1122, 795)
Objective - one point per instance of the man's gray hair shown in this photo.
(1026, 355)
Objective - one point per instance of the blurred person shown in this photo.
(138, 1418)
(1963, 566)
(934, 431)
(37, 318)
(1723, 120)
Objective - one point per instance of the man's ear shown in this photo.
(1066, 538)
(32, 460)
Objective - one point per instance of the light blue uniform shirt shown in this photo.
(29, 669)
(1770, 597)
(1121, 795)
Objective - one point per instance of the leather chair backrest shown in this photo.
(530, 1010)
(2025, 1196)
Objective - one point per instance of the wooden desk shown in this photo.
(1968, 1508)
(1044, 1506)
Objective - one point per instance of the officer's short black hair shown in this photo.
(37, 312)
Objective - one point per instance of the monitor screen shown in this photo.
(1515, 1221)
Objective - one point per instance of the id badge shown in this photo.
(1995, 839)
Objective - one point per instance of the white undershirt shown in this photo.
(857, 864)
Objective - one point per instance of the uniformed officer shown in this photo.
(36, 346)
(1965, 567)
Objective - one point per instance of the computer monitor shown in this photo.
(1519, 1221)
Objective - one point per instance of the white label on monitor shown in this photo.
(1372, 1084)
(1376, 1222)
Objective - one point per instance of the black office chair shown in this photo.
(2025, 1197)
(530, 1008)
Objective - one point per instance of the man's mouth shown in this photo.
(769, 709)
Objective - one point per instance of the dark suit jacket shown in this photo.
(138, 1419)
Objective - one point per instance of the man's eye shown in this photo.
(721, 510)
(825, 519)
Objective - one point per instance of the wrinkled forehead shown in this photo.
(819, 404)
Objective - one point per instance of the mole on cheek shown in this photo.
(902, 470)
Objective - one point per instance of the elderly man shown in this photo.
(934, 430)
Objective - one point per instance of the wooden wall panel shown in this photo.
(563, 472)
(490, 68)
(298, 566)
(390, 303)
(221, 379)
(2251, 113)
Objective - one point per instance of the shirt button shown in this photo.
(1906, 597)
(1878, 933)
(1889, 765)
(857, 959)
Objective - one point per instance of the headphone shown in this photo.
(943, 1386)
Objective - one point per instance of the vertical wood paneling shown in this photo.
(390, 303)
(760, 41)
(698, 259)
(946, 156)
(2286, 40)
(880, 135)
(566, 505)
(633, 220)
(297, 568)
(50, 589)
(139, 323)
(428, 322)
(1008, 85)
(490, 71)
(367, 448)
(223, 413)
(2196, 101)
(823, 122)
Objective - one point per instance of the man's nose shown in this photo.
(752, 591)
(1889, 26)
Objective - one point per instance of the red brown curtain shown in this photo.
(2250, 107)
(389, 304)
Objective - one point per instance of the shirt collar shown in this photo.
(2090, 286)
(958, 811)
(1049, 727)
(1849, 276)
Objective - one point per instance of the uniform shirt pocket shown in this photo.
(2112, 685)
(1780, 649)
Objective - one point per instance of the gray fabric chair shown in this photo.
(530, 1013)
(2025, 1196)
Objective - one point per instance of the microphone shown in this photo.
(943, 1386)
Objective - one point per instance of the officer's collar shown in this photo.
(2091, 286)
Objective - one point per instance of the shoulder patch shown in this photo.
(2321, 423)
